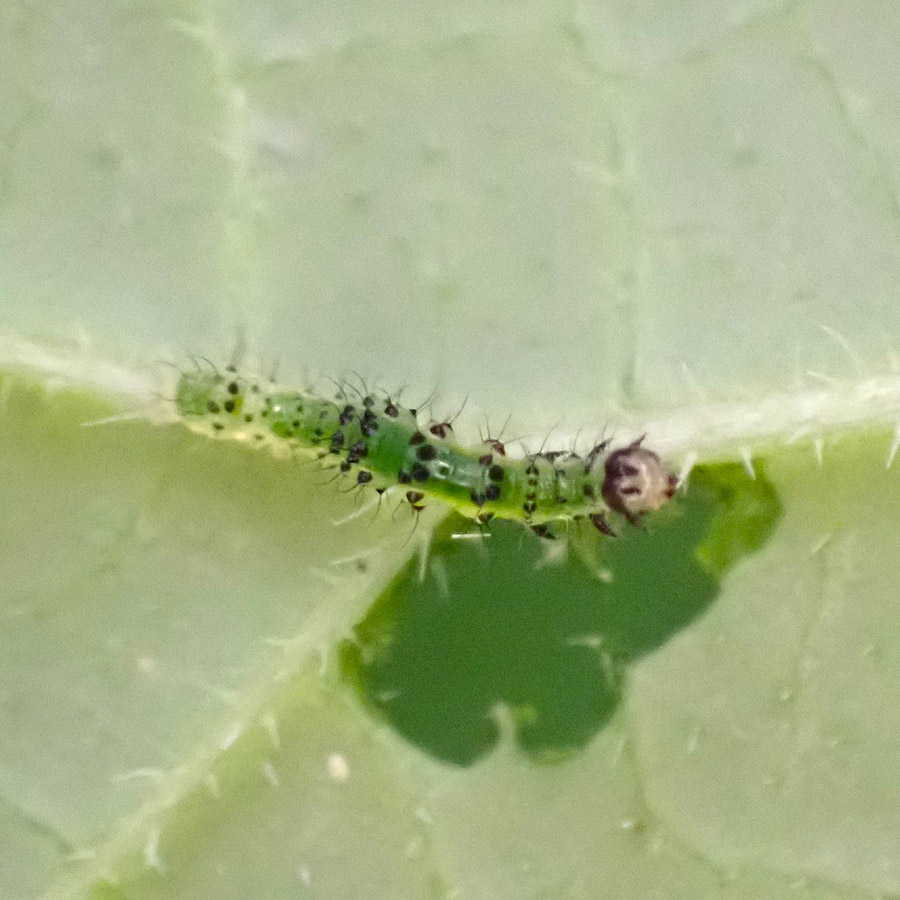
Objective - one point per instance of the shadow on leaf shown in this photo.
(493, 623)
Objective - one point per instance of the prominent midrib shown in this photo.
(715, 430)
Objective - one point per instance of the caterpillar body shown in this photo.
(377, 442)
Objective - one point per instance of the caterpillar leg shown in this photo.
(599, 521)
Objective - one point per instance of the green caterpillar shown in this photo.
(377, 442)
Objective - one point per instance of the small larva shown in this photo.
(376, 442)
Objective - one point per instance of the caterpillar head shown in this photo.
(195, 392)
(636, 481)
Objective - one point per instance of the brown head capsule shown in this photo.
(636, 481)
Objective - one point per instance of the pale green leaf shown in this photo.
(221, 678)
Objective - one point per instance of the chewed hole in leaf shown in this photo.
(491, 623)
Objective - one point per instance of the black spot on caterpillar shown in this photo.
(481, 482)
